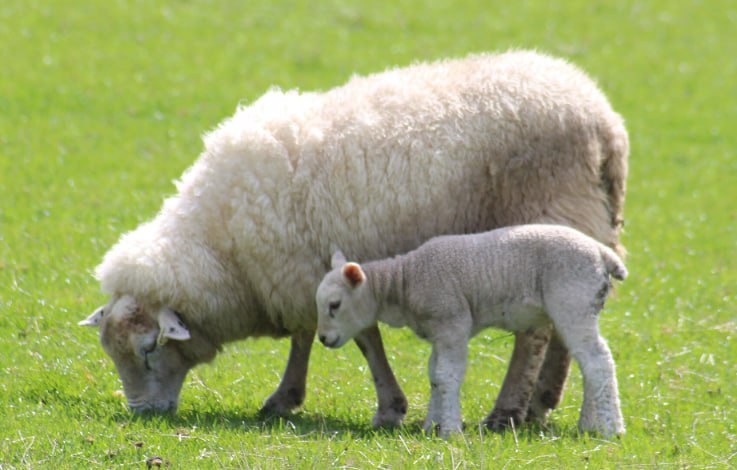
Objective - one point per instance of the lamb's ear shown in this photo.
(94, 319)
(172, 327)
(353, 274)
(337, 260)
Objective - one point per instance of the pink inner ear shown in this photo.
(353, 274)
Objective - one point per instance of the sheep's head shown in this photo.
(144, 345)
(345, 305)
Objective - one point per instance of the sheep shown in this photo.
(376, 166)
(525, 279)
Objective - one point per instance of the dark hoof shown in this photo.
(502, 420)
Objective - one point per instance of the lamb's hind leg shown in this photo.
(578, 327)
(291, 391)
(392, 402)
(552, 380)
(519, 383)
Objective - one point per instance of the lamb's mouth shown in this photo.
(332, 344)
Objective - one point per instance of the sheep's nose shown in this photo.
(322, 339)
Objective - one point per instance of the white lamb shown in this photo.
(376, 166)
(524, 279)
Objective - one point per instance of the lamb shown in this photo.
(376, 166)
(527, 279)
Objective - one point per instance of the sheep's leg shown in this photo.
(291, 391)
(550, 383)
(447, 369)
(600, 412)
(519, 383)
(392, 402)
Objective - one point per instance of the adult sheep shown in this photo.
(376, 167)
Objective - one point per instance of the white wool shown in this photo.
(376, 167)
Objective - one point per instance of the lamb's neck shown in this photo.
(386, 282)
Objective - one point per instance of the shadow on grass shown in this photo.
(313, 425)
(213, 418)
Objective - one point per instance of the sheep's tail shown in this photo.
(614, 174)
(614, 264)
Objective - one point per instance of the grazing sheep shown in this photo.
(377, 166)
(524, 279)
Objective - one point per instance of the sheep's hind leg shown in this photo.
(392, 402)
(519, 383)
(291, 391)
(550, 383)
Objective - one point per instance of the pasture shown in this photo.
(102, 105)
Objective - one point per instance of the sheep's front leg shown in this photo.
(447, 369)
(291, 391)
(519, 383)
(550, 383)
(392, 402)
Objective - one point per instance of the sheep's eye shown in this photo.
(332, 307)
(146, 353)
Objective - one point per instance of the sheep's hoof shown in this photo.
(282, 403)
(391, 416)
(502, 420)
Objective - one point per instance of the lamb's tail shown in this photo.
(614, 264)
(614, 174)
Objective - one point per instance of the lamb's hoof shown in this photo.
(391, 416)
(444, 432)
(502, 420)
(608, 429)
(282, 403)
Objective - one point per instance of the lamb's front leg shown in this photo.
(392, 402)
(291, 391)
(447, 369)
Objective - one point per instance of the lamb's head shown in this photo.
(144, 345)
(345, 304)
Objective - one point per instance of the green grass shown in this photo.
(102, 104)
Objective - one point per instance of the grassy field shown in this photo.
(102, 105)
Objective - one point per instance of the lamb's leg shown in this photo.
(519, 383)
(550, 383)
(579, 330)
(447, 369)
(433, 408)
(392, 402)
(291, 391)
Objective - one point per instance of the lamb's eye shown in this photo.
(332, 307)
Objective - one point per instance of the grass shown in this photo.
(102, 104)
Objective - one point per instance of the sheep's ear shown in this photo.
(94, 319)
(353, 274)
(337, 260)
(171, 326)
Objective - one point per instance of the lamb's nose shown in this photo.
(322, 339)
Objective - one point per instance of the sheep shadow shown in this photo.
(300, 423)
